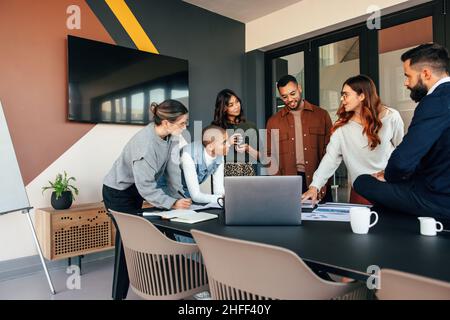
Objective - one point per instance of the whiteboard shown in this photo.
(13, 196)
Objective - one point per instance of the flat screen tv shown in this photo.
(114, 84)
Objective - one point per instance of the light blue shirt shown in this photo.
(443, 80)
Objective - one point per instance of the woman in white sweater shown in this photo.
(364, 136)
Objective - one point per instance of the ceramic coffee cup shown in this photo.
(360, 219)
(221, 201)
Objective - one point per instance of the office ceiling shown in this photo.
(242, 10)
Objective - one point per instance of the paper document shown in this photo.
(182, 215)
(211, 205)
(195, 217)
(170, 214)
(308, 204)
(346, 204)
(332, 209)
(325, 217)
(326, 212)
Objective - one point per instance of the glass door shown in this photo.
(338, 61)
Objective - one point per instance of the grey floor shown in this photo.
(95, 284)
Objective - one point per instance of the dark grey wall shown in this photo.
(254, 91)
(214, 46)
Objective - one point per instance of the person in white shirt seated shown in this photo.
(364, 136)
(202, 159)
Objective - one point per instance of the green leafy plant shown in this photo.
(61, 184)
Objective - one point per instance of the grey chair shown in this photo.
(243, 270)
(158, 267)
(398, 285)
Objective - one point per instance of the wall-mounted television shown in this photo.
(114, 84)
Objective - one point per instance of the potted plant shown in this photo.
(62, 195)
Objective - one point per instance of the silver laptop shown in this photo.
(263, 200)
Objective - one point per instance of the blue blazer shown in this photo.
(424, 154)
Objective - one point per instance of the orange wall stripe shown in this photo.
(131, 25)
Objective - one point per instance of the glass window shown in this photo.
(181, 95)
(121, 109)
(137, 107)
(106, 111)
(157, 95)
(178, 94)
(392, 43)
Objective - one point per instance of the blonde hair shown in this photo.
(209, 134)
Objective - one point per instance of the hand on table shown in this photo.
(182, 204)
(311, 194)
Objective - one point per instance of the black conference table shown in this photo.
(394, 242)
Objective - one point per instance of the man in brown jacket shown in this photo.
(304, 132)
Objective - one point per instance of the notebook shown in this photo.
(184, 216)
(195, 217)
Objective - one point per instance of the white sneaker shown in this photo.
(205, 295)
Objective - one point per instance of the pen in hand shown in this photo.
(183, 203)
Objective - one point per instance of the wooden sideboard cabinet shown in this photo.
(76, 231)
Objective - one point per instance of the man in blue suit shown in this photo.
(417, 177)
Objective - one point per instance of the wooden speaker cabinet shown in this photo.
(76, 231)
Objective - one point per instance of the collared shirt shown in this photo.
(316, 128)
(197, 165)
(443, 80)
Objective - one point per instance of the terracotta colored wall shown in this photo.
(406, 35)
(33, 78)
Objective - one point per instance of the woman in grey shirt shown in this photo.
(150, 154)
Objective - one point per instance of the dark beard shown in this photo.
(418, 91)
(298, 105)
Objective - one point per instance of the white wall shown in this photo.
(308, 18)
(88, 160)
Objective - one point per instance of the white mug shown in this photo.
(428, 226)
(360, 219)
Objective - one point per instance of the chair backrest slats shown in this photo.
(153, 274)
(158, 267)
(260, 271)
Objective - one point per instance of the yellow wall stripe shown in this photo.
(131, 25)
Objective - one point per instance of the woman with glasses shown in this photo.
(152, 153)
(364, 136)
(228, 114)
(147, 157)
